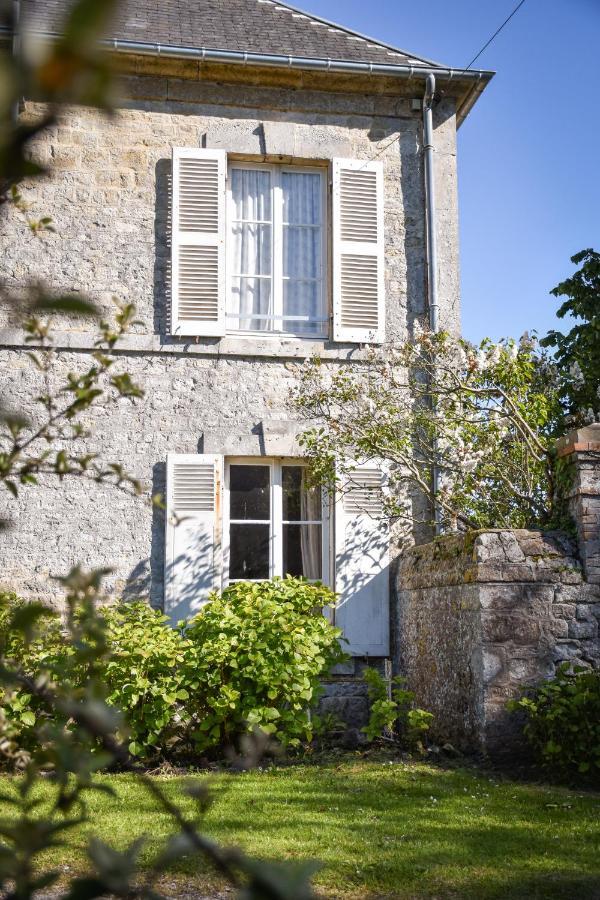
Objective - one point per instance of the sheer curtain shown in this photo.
(251, 296)
(302, 248)
(296, 304)
(310, 535)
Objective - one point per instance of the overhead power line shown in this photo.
(495, 34)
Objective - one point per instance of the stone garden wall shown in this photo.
(483, 616)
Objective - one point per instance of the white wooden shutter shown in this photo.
(198, 242)
(362, 563)
(358, 251)
(193, 534)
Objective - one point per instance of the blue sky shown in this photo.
(529, 152)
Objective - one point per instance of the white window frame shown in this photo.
(275, 466)
(276, 171)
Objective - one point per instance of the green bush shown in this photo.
(251, 658)
(45, 651)
(395, 712)
(563, 722)
(261, 648)
(149, 677)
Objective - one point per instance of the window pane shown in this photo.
(251, 250)
(251, 194)
(249, 492)
(301, 252)
(302, 553)
(249, 551)
(302, 299)
(250, 305)
(299, 502)
(302, 198)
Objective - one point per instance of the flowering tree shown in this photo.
(467, 430)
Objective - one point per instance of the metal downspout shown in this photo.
(432, 261)
(428, 150)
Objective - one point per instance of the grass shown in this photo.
(380, 828)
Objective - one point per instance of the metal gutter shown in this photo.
(244, 58)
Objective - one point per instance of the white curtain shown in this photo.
(302, 243)
(310, 535)
(252, 248)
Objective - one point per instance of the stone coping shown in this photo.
(580, 440)
(490, 555)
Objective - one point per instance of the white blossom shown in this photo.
(576, 374)
(494, 355)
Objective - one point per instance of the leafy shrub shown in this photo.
(395, 714)
(252, 658)
(43, 650)
(149, 676)
(563, 722)
(261, 649)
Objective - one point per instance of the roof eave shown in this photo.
(473, 80)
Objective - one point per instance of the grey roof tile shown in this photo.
(256, 26)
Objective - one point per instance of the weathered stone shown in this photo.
(109, 196)
(583, 630)
(483, 616)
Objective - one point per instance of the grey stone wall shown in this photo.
(108, 195)
(483, 616)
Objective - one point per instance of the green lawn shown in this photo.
(381, 829)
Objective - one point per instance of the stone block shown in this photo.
(559, 628)
(353, 711)
(493, 664)
(564, 651)
(500, 626)
(583, 630)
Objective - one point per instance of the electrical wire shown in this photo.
(475, 58)
(495, 34)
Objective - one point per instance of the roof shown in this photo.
(253, 26)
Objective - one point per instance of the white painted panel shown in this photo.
(362, 565)
(358, 251)
(193, 532)
(198, 242)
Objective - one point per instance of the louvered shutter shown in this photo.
(198, 242)
(193, 537)
(358, 251)
(362, 563)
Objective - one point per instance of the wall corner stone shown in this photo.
(582, 447)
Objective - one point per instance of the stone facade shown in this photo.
(483, 616)
(109, 197)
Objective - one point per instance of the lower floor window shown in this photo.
(277, 522)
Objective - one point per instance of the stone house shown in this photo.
(261, 197)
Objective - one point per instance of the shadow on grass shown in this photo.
(429, 839)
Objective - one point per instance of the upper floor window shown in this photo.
(249, 249)
(276, 250)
